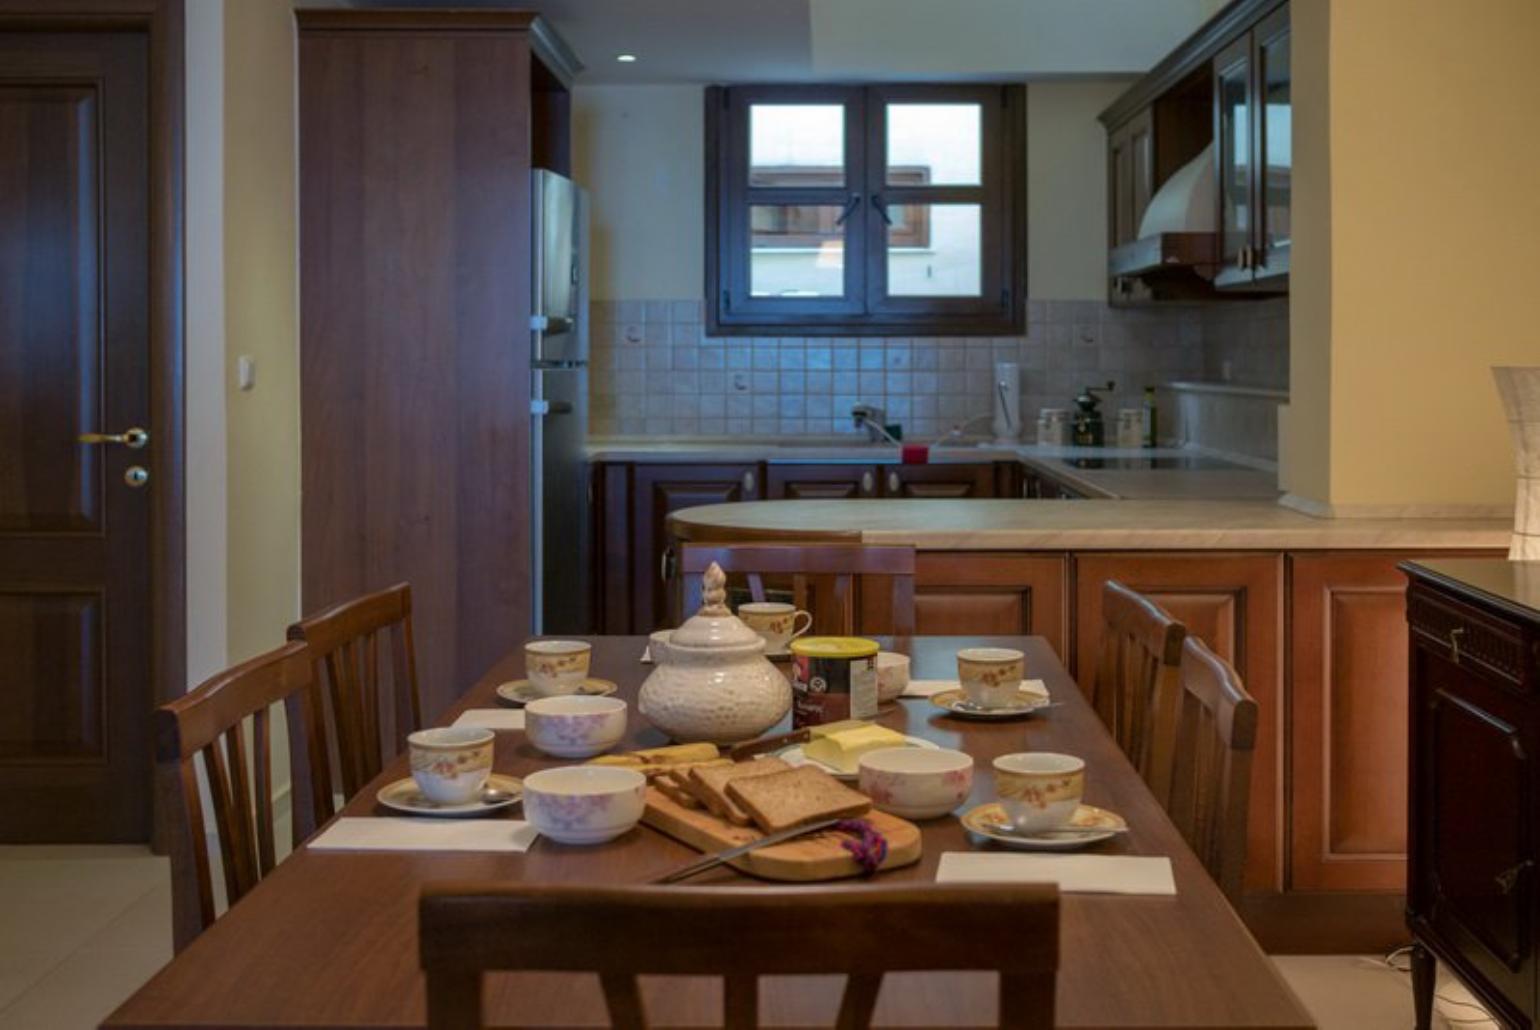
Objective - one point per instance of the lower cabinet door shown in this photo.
(820, 482)
(984, 594)
(1234, 603)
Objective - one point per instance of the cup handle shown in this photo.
(799, 613)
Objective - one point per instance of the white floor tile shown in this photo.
(1362, 992)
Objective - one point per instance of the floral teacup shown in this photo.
(584, 804)
(451, 763)
(1039, 790)
(916, 783)
(990, 676)
(557, 666)
(575, 726)
(775, 621)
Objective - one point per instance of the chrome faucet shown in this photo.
(873, 420)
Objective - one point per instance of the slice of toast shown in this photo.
(709, 783)
(801, 795)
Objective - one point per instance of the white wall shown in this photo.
(639, 151)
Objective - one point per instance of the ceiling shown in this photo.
(791, 40)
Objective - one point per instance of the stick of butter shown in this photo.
(842, 748)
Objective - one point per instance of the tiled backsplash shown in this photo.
(656, 373)
(1247, 342)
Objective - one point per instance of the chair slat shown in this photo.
(740, 999)
(1136, 681)
(624, 1001)
(262, 789)
(859, 1001)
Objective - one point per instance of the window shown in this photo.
(847, 210)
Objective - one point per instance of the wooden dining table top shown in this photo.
(329, 939)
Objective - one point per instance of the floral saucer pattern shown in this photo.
(1027, 702)
(405, 796)
(989, 822)
(522, 692)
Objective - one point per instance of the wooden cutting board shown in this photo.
(804, 860)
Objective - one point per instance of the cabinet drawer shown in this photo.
(1469, 637)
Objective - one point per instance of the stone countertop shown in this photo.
(1020, 525)
(1258, 482)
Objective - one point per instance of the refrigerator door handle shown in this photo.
(538, 408)
(553, 324)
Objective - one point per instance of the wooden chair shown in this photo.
(1215, 735)
(739, 933)
(1136, 680)
(345, 643)
(837, 583)
(212, 722)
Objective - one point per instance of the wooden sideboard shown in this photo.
(1475, 731)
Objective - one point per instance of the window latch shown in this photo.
(882, 208)
(850, 206)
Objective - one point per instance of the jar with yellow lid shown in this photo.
(833, 678)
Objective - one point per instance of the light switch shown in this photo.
(245, 372)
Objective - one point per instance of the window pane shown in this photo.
(934, 250)
(934, 144)
(796, 250)
(796, 144)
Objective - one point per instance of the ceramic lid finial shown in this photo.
(715, 593)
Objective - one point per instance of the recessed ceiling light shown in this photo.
(626, 58)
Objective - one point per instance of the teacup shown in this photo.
(575, 726)
(990, 676)
(557, 666)
(451, 763)
(916, 782)
(1039, 790)
(775, 621)
(584, 804)
(892, 676)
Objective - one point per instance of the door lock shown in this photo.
(136, 476)
(133, 438)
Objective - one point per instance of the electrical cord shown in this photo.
(1391, 961)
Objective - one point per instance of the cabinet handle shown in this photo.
(748, 482)
(1454, 642)
(893, 483)
(666, 564)
(868, 482)
(1509, 878)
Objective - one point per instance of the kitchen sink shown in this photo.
(1190, 464)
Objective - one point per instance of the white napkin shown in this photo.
(492, 718)
(394, 833)
(928, 688)
(1086, 874)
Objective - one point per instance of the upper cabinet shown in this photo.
(1199, 164)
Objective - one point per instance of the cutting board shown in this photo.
(807, 859)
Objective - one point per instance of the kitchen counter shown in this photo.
(1240, 479)
(980, 525)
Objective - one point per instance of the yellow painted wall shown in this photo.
(638, 150)
(261, 320)
(1430, 226)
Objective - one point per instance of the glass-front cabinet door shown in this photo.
(1233, 121)
(1274, 145)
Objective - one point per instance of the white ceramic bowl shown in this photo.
(574, 725)
(892, 675)
(916, 783)
(451, 763)
(1039, 790)
(584, 804)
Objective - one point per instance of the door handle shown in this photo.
(133, 438)
(893, 483)
(868, 482)
(882, 208)
(1509, 878)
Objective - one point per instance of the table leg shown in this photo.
(1424, 975)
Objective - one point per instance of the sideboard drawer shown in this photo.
(1471, 638)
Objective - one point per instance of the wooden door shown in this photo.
(75, 632)
(1234, 603)
(657, 490)
(920, 481)
(415, 150)
(819, 482)
(973, 593)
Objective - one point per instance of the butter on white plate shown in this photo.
(396, 833)
(841, 745)
(1081, 874)
(492, 718)
(929, 688)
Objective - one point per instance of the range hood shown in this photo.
(1178, 236)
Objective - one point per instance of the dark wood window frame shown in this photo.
(865, 308)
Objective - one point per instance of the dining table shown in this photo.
(329, 938)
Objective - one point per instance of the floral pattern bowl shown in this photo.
(450, 763)
(584, 804)
(916, 783)
(574, 725)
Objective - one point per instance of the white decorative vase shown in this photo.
(1520, 390)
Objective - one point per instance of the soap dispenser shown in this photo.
(1090, 431)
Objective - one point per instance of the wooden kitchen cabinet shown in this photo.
(950, 481)
(1234, 603)
(1130, 184)
(1005, 594)
(820, 482)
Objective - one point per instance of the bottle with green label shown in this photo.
(1149, 416)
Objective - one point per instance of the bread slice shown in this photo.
(801, 795)
(709, 783)
(668, 783)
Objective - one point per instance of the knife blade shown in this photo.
(684, 872)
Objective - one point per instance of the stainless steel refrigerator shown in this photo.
(559, 518)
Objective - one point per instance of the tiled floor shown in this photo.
(81, 928)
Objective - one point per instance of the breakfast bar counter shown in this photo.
(330, 938)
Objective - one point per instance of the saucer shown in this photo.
(405, 796)
(522, 692)
(956, 702)
(989, 821)
(795, 756)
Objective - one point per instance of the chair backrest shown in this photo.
(1136, 680)
(1216, 734)
(740, 933)
(370, 713)
(838, 583)
(213, 721)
